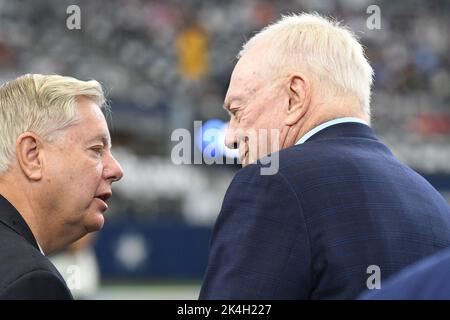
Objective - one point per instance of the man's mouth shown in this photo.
(104, 197)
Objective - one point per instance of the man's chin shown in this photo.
(95, 222)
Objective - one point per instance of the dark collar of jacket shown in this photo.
(10, 217)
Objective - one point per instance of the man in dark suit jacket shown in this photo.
(25, 272)
(428, 279)
(340, 213)
(56, 171)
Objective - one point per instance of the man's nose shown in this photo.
(113, 171)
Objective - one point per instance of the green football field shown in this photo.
(148, 291)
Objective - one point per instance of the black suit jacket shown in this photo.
(25, 273)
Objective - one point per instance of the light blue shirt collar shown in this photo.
(327, 124)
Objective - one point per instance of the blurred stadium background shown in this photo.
(168, 63)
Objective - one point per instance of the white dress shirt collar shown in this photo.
(40, 248)
(327, 124)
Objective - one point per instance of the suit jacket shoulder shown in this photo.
(25, 273)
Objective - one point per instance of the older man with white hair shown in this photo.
(341, 214)
(56, 171)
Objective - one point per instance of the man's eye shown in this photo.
(98, 150)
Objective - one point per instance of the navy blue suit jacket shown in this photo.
(25, 273)
(339, 203)
(425, 280)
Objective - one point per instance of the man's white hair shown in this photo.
(43, 104)
(331, 54)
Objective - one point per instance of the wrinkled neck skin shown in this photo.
(320, 112)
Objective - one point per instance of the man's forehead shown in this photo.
(247, 71)
(246, 77)
(242, 87)
(91, 125)
(244, 68)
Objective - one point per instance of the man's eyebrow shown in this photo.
(103, 138)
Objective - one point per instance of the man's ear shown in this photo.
(299, 98)
(28, 154)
